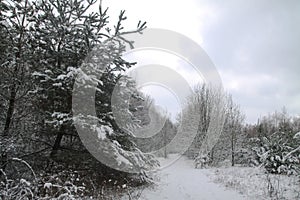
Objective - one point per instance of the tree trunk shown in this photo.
(57, 142)
(9, 115)
(165, 141)
(232, 151)
(13, 91)
(10, 110)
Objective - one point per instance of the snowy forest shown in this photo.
(43, 46)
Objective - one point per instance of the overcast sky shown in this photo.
(254, 44)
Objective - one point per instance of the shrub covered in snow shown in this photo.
(202, 161)
(279, 153)
(64, 184)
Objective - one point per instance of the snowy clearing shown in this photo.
(181, 181)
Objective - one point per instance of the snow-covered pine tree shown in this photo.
(278, 153)
(64, 34)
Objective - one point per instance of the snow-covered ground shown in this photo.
(256, 184)
(180, 181)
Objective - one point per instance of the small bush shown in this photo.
(278, 153)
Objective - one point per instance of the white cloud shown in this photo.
(188, 17)
(254, 44)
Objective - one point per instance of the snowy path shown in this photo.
(180, 181)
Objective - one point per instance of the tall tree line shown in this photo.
(226, 134)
